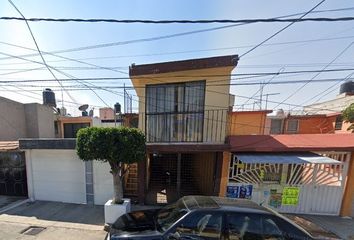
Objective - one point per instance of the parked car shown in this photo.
(204, 217)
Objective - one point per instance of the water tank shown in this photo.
(84, 113)
(117, 108)
(280, 113)
(347, 87)
(49, 97)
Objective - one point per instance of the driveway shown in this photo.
(53, 220)
(60, 212)
(8, 201)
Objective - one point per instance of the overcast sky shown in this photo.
(275, 57)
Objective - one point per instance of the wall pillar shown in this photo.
(222, 173)
(347, 208)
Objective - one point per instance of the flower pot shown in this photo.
(113, 211)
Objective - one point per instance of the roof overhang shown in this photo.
(285, 158)
(292, 143)
(185, 147)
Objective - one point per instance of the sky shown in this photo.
(276, 56)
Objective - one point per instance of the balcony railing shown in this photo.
(208, 126)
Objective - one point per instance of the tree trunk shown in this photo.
(118, 187)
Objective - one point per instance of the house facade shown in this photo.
(31, 120)
(183, 110)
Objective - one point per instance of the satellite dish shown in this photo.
(84, 107)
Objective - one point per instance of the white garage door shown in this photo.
(58, 175)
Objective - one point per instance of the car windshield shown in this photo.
(170, 214)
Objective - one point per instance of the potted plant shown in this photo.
(119, 147)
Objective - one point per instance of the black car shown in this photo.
(203, 217)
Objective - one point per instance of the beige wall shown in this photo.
(12, 120)
(39, 121)
(216, 97)
(19, 120)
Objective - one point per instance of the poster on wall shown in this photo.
(290, 196)
(275, 198)
(244, 191)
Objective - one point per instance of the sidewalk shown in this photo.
(56, 220)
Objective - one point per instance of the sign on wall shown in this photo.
(244, 191)
(290, 196)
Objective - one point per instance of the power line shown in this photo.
(39, 51)
(77, 87)
(163, 36)
(316, 75)
(129, 21)
(178, 52)
(252, 74)
(281, 30)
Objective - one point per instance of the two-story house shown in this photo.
(183, 107)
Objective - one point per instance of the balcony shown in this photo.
(208, 126)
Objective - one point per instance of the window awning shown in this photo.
(285, 158)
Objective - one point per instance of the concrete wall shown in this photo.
(216, 97)
(55, 175)
(45, 121)
(12, 120)
(102, 182)
(25, 120)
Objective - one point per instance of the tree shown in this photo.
(348, 116)
(117, 146)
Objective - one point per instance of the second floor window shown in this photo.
(293, 126)
(175, 112)
(339, 123)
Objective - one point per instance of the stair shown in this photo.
(131, 181)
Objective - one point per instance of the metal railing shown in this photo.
(208, 126)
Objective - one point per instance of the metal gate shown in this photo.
(318, 186)
(13, 179)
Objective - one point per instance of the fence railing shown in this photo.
(208, 126)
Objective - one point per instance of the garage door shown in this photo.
(58, 175)
(13, 180)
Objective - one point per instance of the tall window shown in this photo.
(293, 126)
(276, 126)
(339, 123)
(175, 112)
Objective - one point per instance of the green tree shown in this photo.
(117, 146)
(348, 116)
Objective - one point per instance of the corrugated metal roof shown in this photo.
(285, 158)
(9, 146)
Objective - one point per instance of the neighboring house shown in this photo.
(248, 122)
(343, 100)
(30, 120)
(317, 168)
(301, 124)
(335, 106)
(183, 110)
(67, 127)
